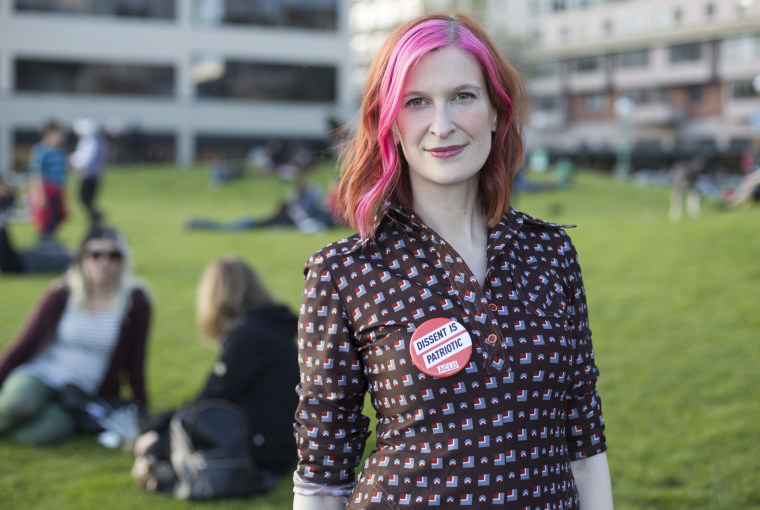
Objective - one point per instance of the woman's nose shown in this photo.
(442, 124)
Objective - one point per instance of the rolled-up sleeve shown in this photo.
(330, 428)
(585, 426)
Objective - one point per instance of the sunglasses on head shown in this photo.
(112, 254)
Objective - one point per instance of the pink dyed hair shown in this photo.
(373, 167)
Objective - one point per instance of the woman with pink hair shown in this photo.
(464, 319)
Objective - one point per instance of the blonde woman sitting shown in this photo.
(257, 370)
(89, 330)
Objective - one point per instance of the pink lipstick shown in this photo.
(446, 152)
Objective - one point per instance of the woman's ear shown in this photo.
(494, 122)
(396, 135)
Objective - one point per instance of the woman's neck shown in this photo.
(101, 298)
(458, 218)
(455, 214)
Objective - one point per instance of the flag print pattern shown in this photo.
(498, 434)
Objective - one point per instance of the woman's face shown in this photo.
(446, 120)
(101, 262)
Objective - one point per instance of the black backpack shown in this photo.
(211, 452)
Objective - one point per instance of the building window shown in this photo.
(310, 14)
(264, 81)
(695, 94)
(710, 9)
(731, 48)
(690, 52)
(558, 5)
(586, 65)
(742, 90)
(647, 96)
(633, 23)
(594, 103)
(93, 78)
(633, 58)
(741, 48)
(664, 17)
(157, 9)
(544, 103)
(543, 70)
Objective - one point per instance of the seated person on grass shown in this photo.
(89, 330)
(257, 371)
(304, 208)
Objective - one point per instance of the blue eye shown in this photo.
(415, 101)
(464, 96)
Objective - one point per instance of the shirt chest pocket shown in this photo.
(541, 291)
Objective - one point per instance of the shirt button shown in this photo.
(493, 307)
(491, 339)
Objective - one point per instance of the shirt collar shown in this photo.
(509, 226)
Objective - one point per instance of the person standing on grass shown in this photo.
(89, 330)
(89, 159)
(464, 318)
(47, 181)
(256, 371)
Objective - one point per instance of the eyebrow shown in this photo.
(458, 88)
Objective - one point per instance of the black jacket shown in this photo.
(258, 370)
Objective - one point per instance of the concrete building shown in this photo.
(661, 78)
(180, 79)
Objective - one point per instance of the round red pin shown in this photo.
(441, 347)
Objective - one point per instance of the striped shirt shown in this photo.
(81, 351)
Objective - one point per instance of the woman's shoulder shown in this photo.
(56, 291)
(140, 296)
(336, 251)
(265, 322)
(530, 221)
(276, 312)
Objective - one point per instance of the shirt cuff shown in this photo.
(301, 486)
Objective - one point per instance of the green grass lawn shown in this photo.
(674, 311)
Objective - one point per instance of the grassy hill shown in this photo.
(674, 311)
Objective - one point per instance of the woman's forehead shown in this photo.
(448, 65)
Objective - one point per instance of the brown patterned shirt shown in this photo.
(483, 395)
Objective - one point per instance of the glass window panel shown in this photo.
(695, 94)
(690, 52)
(594, 102)
(157, 9)
(253, 80)
(544, 103)
(731, 47)
(742, 90)
(93, 78)
(587, 64)
(755, 43)
(634, 58)
(543, 69)
(310, 14)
